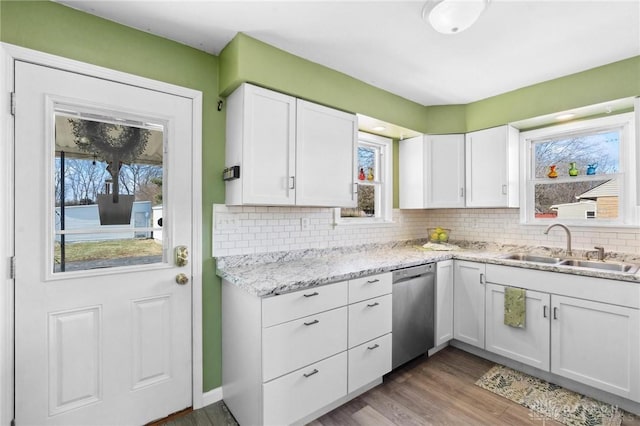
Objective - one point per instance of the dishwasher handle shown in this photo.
(413, 272)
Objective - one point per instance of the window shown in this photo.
(580, 173)
(373, 178)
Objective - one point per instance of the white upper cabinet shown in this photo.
(492, 167)
(290, 152)
(432, 172)
(326, 144)
(411, 181)
(261, 126)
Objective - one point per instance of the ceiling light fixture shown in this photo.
(379, 128)
(453, 16)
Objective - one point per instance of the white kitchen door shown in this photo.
(102, 326)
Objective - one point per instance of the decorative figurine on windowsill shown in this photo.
(361, 174)
(591, 168)
(573, 170)
(552, 172)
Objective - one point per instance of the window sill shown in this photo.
(363, 222)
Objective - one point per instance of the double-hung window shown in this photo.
(580, 173)
(373, 180)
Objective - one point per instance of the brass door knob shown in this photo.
(182, 279)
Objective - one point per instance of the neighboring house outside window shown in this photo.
(580, 173)
(374, 182)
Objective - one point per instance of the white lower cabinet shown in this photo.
(285, 358)
(528, 345)
(294, 344)
(468, 296)
(297, 394)
(369, 361)
(596, 344)
(444, 302)
(587, 341)
(369, 319)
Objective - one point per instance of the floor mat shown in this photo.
(549, 401)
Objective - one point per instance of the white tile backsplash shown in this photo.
(249, 230)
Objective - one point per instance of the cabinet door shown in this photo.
(492, 167)
(596, 344)
(411, 180)
(369, 361)
(261, 139)
(294, 344)
(529, 345)
(293, 397)
(326, 146)
(468, 297)
(444, 171)
(444, 302)
(369, 319)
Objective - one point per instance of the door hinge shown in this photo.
(12, 103)
(12, 267)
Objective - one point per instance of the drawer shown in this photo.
(369, 361)
(286, 307)
(294, 344)
(369, 287)
(369, 319)
(298, 394)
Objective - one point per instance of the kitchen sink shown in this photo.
(627, 268)
(532, 258)
(617, 267)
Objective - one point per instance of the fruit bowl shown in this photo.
(439, 235)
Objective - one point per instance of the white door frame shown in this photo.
(8, 55)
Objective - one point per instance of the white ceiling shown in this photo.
(515, 43)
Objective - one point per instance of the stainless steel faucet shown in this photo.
(599, 251)
(568, 235)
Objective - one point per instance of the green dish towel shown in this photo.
(515, 309)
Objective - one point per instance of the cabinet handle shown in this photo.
(315, 371)
(373, 347)
(371, 305)
(373, 281)
(315, 293)
(504, 189)
(555, 313)
(312, 322)
(292, 182)
(481, 278)
(544, 311)
(461, 192)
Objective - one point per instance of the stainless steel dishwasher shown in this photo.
(413, 312)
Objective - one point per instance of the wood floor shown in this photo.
(435, 391)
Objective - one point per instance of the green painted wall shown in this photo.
(52, 28)
(247, 59)
(612, 81)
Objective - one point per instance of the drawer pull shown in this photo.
(373, 281)
(544, 311)
(371, 305)
(315, 293)
(555, 313)
(315, 371)
(312, 322)
(373, 347)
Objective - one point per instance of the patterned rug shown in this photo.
(548, 401)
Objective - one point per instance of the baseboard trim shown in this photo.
(214, 395)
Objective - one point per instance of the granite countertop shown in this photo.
(270, 274)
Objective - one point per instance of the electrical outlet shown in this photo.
(304, 224)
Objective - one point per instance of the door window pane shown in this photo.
(108, 175)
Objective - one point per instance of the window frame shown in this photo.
(628, 212)
(384, 204)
